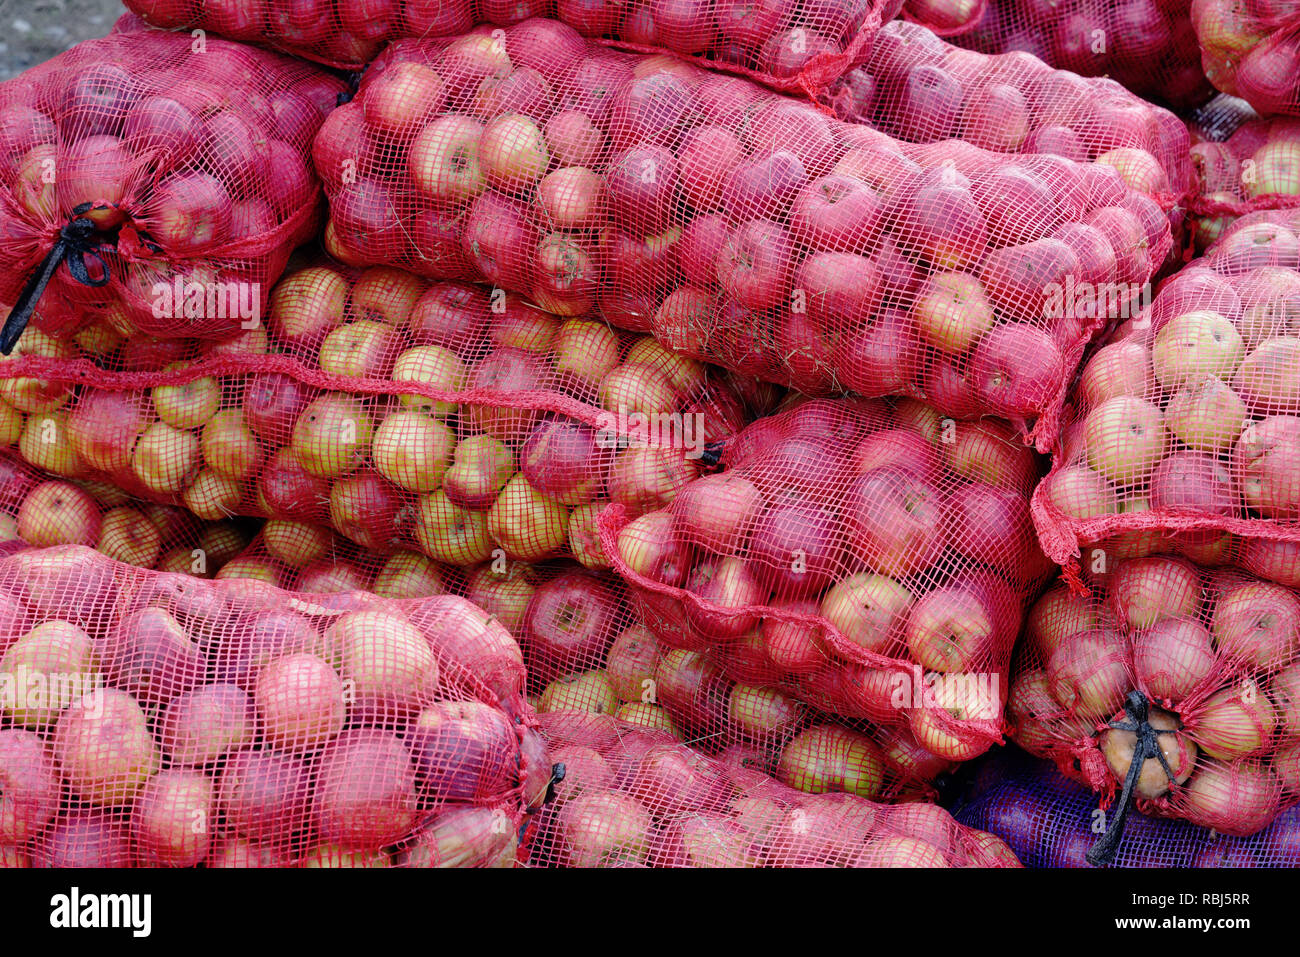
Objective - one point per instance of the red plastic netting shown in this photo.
(147, 162)
(153, 719)
(871, 561)
(793, 45)
(586, 649)
(1186, 422)
(300, 556)
(1050, 821)
(740, 227)
(443, 417)
(1212, 656)
(1243, 163)
(1251, 49)
(1148, 46)
(922, 89)
(305, 558)
(42, 510)
(633, 797)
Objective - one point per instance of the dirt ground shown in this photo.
(32, 31)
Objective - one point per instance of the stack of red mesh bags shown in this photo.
(684, 741)
(740, 227)
(1148, 46)
(153, 160)
(155, 719)
(1251, 49)
(410, 415)
(633, 797)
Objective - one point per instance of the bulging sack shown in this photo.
(141, 167)
(1170, 684)
(922, 89)
(871, 561)
(159, 720)
(1186, 421)
(633, 797)
(740, 227)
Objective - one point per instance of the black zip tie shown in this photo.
(558, 771)
(353, 80)
(1136, 707)
(712, 454)
(73, 246)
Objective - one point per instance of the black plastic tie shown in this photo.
(1147, 746)
(711, 457)
(73, 246)
(558, 771)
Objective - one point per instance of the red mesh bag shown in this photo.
(1148, 46)
(443, 417)
(922, 89)
(1172, 684)
(1252, 50)
(158, 720)
(634, 797)
(738, 226)
(1243, 164)
(43, 510)
(793, 45)
(1050, 821)
(870, 561)
(145, 162)
(1186, 422)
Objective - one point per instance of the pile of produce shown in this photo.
(652, 433)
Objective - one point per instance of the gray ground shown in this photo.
(32, 31)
